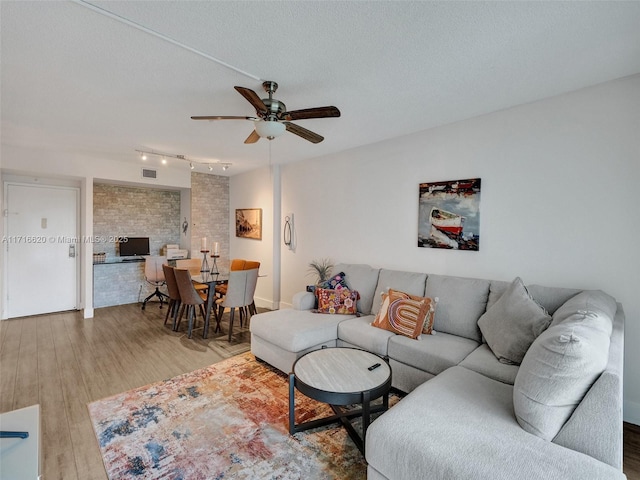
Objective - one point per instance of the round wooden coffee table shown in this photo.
(341, 376)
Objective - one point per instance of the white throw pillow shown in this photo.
(512, 323)
(558, 370)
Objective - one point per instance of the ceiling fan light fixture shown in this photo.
(269, 129)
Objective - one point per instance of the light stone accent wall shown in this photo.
(210, 215)
(136, 212)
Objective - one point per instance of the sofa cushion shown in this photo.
(460, 425)
(362, 278)
(295, 330)
(560, 367)
(601, 306)
(461, 301)
(342, 301)
(512, 324)
(483, 361)
(549, 298)
(359, 332)
(431, 353)
(408, 282)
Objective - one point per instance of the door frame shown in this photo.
(49, 184)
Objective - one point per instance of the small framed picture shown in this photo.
(249, 223)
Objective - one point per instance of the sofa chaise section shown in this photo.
(461, 426)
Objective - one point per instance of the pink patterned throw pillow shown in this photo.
(341, 301)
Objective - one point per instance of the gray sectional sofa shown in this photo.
(468, 414)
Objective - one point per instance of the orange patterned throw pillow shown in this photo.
(405, 314)
(342, 301)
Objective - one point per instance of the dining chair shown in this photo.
(250, 265)
(240, 291)
(190, 298)
(221, 290)
(193, 265)
(174, 295)
(236, 264)
(154, 275)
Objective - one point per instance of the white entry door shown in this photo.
(41, 249)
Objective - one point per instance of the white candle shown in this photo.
(215, 248)
(203, 243)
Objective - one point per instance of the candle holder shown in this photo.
(205, 265)
(214, 267)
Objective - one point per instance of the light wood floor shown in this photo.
(63, 362)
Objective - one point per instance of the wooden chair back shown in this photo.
(170, 279)
(188, 293)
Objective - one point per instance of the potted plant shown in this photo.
(321, 269)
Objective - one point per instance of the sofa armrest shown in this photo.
(304, 301)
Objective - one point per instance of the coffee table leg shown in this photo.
(292, 411)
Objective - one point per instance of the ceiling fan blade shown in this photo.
(303, 132)
(253, 138)
(253, 98)
(221, 117)
(318, 112)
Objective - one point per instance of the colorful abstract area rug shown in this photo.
(226, 421)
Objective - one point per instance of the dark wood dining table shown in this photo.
(211, 280)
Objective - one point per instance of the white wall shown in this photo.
(559, 201)
(255, 190)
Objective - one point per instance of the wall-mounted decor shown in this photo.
(249, 223)
(449, 214)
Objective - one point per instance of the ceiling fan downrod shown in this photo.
(275, 108)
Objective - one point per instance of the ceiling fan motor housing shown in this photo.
(275, 108)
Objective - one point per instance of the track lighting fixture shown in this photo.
(144, 154)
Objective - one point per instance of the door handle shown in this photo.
(72, 251)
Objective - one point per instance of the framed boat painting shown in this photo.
(449, 215)
(249, 223)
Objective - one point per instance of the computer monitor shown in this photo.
(132, 246)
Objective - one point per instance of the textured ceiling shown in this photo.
(76, 80)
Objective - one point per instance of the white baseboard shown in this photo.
(631, 412)
(88, 313)
(267, 303)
